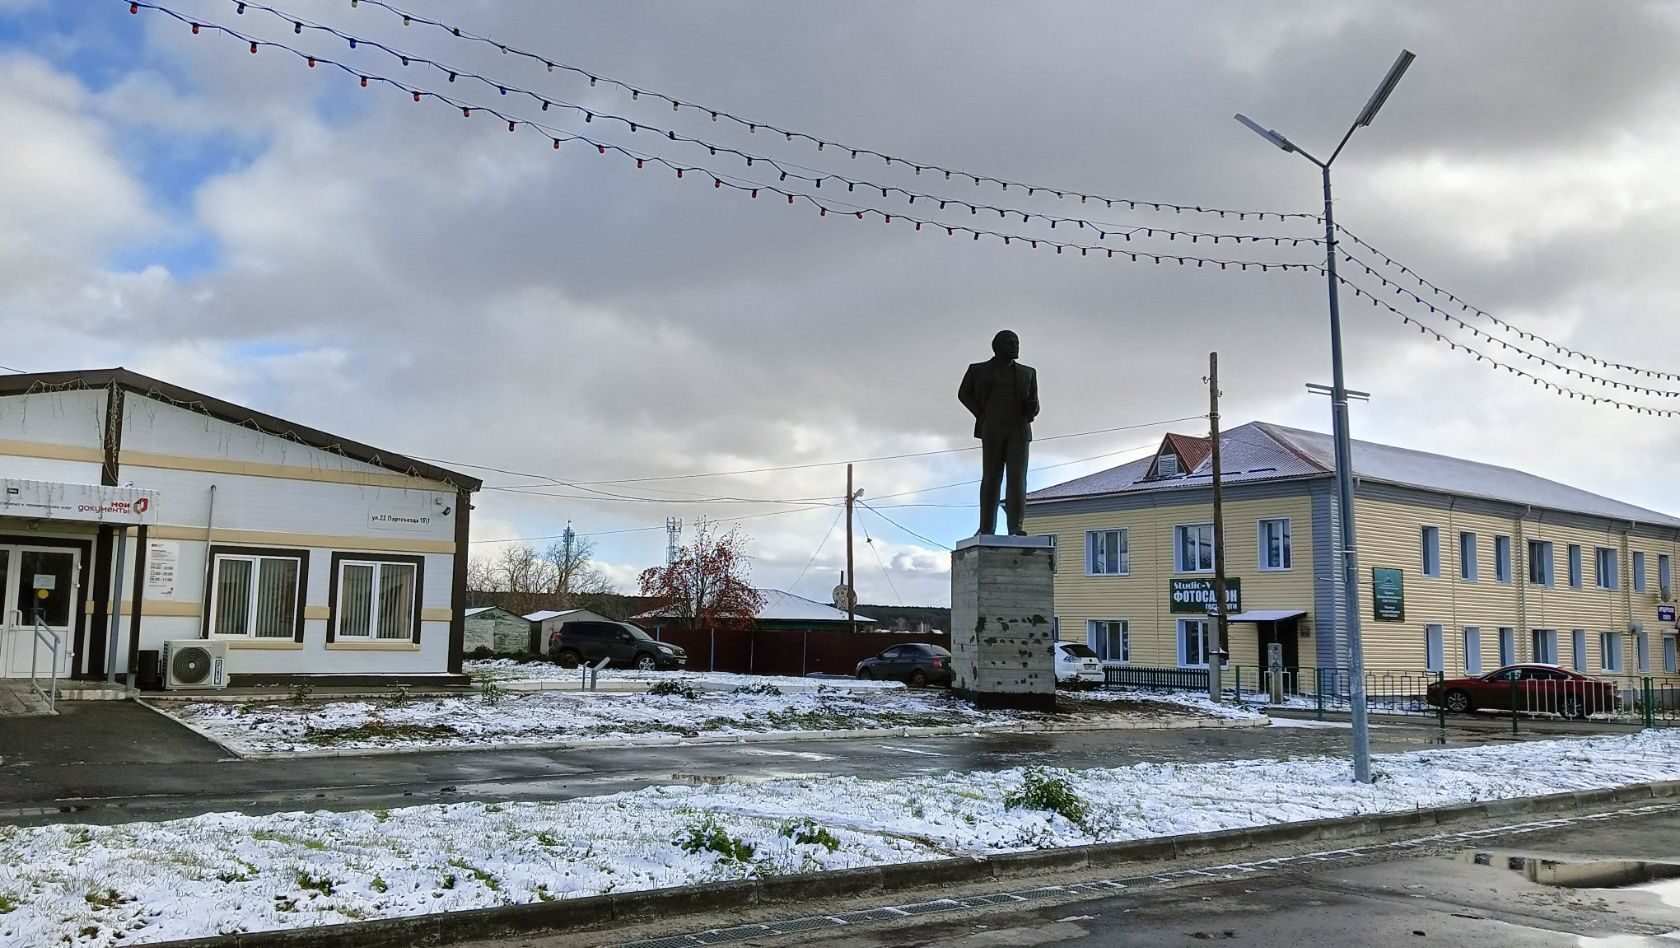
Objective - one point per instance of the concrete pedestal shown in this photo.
(1002, 643)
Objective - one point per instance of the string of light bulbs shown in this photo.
(1555, 347)
(753, 126)
(785, 170)
(721, 180)
(1518, 371)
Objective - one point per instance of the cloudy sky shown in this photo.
(431, 284)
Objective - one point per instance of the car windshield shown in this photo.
(1079, 651)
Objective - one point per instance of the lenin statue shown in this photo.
(1002, 394)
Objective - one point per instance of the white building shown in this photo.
(309, 555)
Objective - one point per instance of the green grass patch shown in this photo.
(1050, 791)
(708, 835)
(808, 833)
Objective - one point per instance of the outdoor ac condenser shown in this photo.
(194, 663)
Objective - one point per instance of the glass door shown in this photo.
(37, 586)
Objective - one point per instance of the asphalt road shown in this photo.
(114, 762)
(1433, 896)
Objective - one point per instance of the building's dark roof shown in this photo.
(145, 385)
(1261, 451)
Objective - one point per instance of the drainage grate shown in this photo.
(1215, 873)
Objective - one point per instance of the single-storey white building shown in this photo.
(135, 513)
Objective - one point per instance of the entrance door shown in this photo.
(1285, 633)
(36, 584)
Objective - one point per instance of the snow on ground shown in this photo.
(145, 882)
(1194, 700)
(519, 718)
(503, 669)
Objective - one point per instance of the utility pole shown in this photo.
(851, 590)
(566, 564)
(1222, 619)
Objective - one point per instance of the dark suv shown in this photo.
(576, 643)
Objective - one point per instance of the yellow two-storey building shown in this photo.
(1464, 566)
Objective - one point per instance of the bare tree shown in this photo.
(575, 577)
(518, 572)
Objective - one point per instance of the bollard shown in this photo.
(1513, 707)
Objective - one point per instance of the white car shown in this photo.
(1077, 664)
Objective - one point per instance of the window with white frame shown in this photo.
(1472, 650)
(1507, 646)
(1575, 579)
(1606, 562)
(1544, 644)
(1467, 557)
(1274, 544)
(256, 593)
(1106, 553)
(1610, 651)
(1642, 652)
(1193, 551)
(378, 600)
(1671, 655)
(1638, 571)
(1434, 649)
(1109, 638)
(1501, 558)
(1195, 638)
(1664, 574)
(1578, 646)
(1166, 465)
(1431, 551)
(1540, 562)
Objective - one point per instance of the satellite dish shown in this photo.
(840, 598)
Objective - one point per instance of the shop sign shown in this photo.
(1196, 595)
(1665, 614)
(97, 503)
(1388, 594)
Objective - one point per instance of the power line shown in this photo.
(903, 527)
(819, 549)
(869, 541)
(722, 180)
(753, 126)
(786, 169)
(605, 533)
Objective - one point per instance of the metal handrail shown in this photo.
(49, 638)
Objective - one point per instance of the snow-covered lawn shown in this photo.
(1193, 700)
(140, 882)
(477, 719)
(503, 669)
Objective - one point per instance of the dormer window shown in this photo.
(1166, 465)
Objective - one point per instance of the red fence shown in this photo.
(771, 652)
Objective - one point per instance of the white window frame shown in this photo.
(1123, 543)
(1507, 646)
(1604, 567)
(1578, 649)
(1502, 558)
(1430, 554)
(252, 608)
(1434, 648)
(1096, 637)
(1541, 564)
(1665, 573)
(1541, 643)
(1209, 637)
(1577, 577)
(1178, 546)
(1638, 567)
(1468, 569)
(1285, 547)
(1166, 465)
(1472, 650)
(376, 601)
(1610, 651)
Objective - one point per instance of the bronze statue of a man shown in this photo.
(1002, 394)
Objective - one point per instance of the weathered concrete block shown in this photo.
(1002, 599)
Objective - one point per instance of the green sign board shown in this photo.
(1196, 595)
(1388, 594)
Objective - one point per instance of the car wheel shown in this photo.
(1572, 708)
(646, 662)
(918, 679)
(568, 658)
(1458, 702)
(865, 674)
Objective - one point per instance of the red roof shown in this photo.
(1191, 450)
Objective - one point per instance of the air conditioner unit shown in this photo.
(194, 663)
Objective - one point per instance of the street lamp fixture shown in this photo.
(1349, 573)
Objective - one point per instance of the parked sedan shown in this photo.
(578, 643)
(1077, 664)
(1535, 688)
(917, 664)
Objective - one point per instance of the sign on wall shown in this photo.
(411, 519)
(51, 500)
(1665, 614)
(1388, 594)
(1196, 595)
(163, 562)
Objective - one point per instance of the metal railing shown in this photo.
(49, 638)
(1159, 679)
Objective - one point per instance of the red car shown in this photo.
(1540, 689)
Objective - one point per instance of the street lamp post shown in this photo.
(1339, 418)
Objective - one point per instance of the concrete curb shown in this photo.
(754, 737)
(590, 911)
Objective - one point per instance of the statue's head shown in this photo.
(1006, 345)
